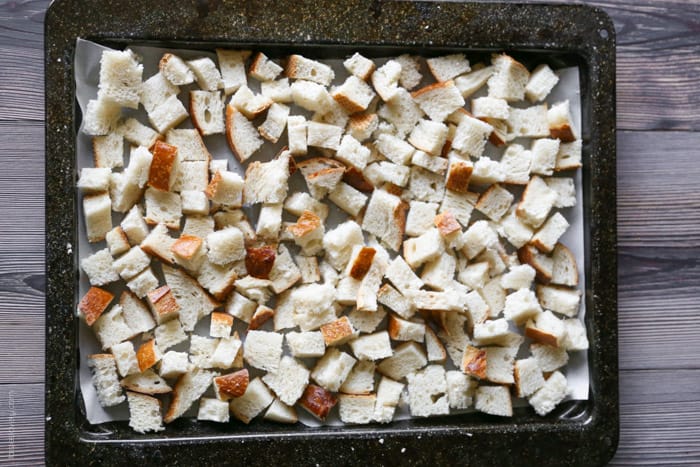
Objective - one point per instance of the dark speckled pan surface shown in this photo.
(577, 433)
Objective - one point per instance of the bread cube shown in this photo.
(509, 78)
(388, 395)
(554, 390)
(99, 268)
(385, 80)
(288, 381)
(117, 241)
(120, 78)
(131, 263)
(408, 357)
(266, 182)
(174, 364)
(439, 100)
(356, 408)
(263, 350)
(562, 300)
(108, 151)
(521, 306)
(169, 334)
(97, 210)
(143, 282)
(332, 369)
(359, 66)
(549, 358)
(427, 392)
(493, 400)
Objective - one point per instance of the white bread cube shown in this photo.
(254, 288)
(194, 202)
(202, 350)
(313, 305)
(308, 268)
(338, 243)
(137, 133)
(207, 109)
(206, 73)
(391, 298)
(323, 135)
(569, 156)
(435, 349)
(300, 67)
(105, 379)
(135, 313)
(499, 364)
(478, 237)
(266, 182)
(564, 269)
(94, 180)
(275, 122)
(131, 263)
(493, 400)
(470, 136)
(408, 357)
(530, 122)
(366, 321)
(544, 155)
(241, 307)
(138, 171)
(288, 381)
(281, 413)
(351, 152)
(367, 291)
(99, 268)
(562, 300)
(348, 198)
(226, 246)
(439, 100)
(111, 328)
(575, 338)
(359, 66)
(308, 233)
(284, 312)
(385, 218)
(469, 83)
(461, 205)
(226, 351)
(541, 82)
(144, 413)
(424, 248)
(163, 207)
(189, 252)
(157, 89)
(193, 301)
(474, 275)
(388, 396)
(232, 63)
(420, 217)
(402, 276)
(460, 389)
(361, 126)
(521, 305)
(248, 103)
(561, 124)
(565, 189)
(448, 66)
(338, 332)
(198, 226)
(495, 202)
(143, 282)
(97, 211)
(518, 277)
(306, 344)
(336, 115)
(489, 331)
(356, 408)
(355, 95)
(264, 69)
(263, 350)
(101, 117)
(175, 70)
(516, 161)
(243, 138)
(311, 96)
(429, 136)
(528, 377)
(125, 358)
(509, 78)
(385, 80)
(168, 114)
(495, 256)
(495, 296)
(459, 175)
(549, 358)
(285, 272)
(487, 171)
(514, 229)
(433, 164)
(372, 346)
(220, 325)
(108, 151)
(256, 398)
(427, 391)
(213, 410)
(300, 201)
(439, 273)
(554, 390)
(536, 202)
(332, 369)
(546, 329)
(190, 146)
(174, 364)
(120, 78)
(404, 330)
(277, 91)
(117, 241)
(490, 107)
(226, 188)
(548, 235)
(156, 243)
(402, 112)
(269, 221)
(410, 71)
(387, 172)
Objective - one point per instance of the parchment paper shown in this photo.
(87, 65)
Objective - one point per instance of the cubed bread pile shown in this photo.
(443, 287)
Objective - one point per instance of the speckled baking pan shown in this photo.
(577, 433)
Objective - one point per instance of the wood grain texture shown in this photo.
(21, 412)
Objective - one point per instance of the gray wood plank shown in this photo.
(21, 424)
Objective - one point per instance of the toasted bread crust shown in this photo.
(432, 87)
(356, 179)
(527, 255)
(363, 261)
(186, 246)
(222, 318)
(307, 222)
(562, 132)
(337, 332)
(162, 166)
(213, 186)
(163, 301)
(318, 401)
(259, 261)
(446, 223)
(146, 355)
(541, 336)
(347, 103)
(474, 362)
(261, 316)
(232, 385)
(94, 303)
(458, 177)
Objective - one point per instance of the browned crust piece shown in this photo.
(356, 179)
(147, 355)
(186, 246)
(474, 362)
(261, 316)
(163, 302)
(458, 177)
(400, 221)
(543, 337)
(222, 318)
(230, 137)
(255, 63)
(259, 261)
(430, 334)
(394, 327)
(563, 132)
(317, 401)
(446, 223)
(432, 87)
(162, 166)
(337, 332)
(232, 385)
(94, 303)
(307, 222)
(362, 263)
(562, 249)
(348, 104)
(528, 255)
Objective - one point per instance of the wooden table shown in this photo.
(658, 123)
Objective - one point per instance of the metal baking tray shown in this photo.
(577, 433)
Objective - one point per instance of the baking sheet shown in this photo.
(87, 59)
